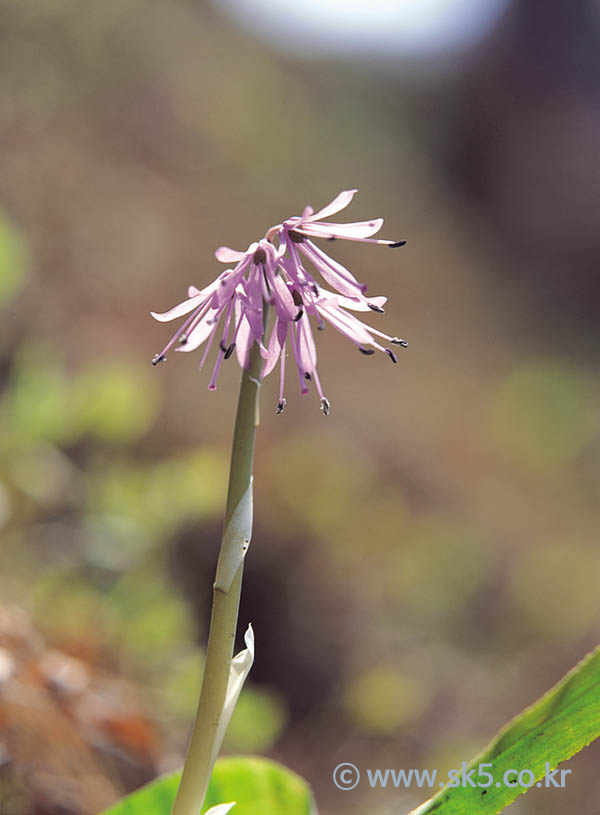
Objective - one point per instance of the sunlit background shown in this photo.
(425, 561)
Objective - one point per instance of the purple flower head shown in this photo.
(233, 305)
(296, 234)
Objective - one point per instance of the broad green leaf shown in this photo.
(155, 798)
(257, 785)
(562, 722)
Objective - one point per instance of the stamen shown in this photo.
(321, 325)
(331, 238)
(183, 339)
(229, 351)
(396, 244)
(307, 376)
(159, 358)
(378, 309)
(223, 347)
(366, 351)
(398, 341)
(297, 297)
(296, 237)
(280, 405)
(325, 406)
(391, 355)
(299, 315)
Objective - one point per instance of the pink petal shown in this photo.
(346, 324)
(274, 349)
(340, 202)
(333, 272)
(200, 332)
(307, 350)
(227, 255)
(349, 302)
(180, 310)
(244, 343)
(359, 229)
(284, 302)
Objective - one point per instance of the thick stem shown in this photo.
(201, 753)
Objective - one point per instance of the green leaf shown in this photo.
(257, 785)
(558, 725)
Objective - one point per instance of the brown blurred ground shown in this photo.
(425, 561)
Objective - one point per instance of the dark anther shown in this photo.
(299, 315)
(396, 244)
(260, 256)
(307, 376)
(296, 237)
(183, 339)
(321, 325)
(391, 355)
(325, 406)
(297, 297)
(158, 358)
(331, 238)
(398, 341)
(378, 309)
(229, 351)
(281, 405)
(315, 289)
(223, 347)
(366, 351)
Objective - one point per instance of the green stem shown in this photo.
(200, 757)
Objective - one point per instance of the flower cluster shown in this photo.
(232, 307)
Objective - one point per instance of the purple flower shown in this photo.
(295, 234)
(279, 277)
(234, 300)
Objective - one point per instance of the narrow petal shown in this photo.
(201, 331)
(188, 305)
(226, 255)
(300, 368)
(283, 300)
(333, 272)
(358, 230)
(346, 324)
(273, 350)
(244, 338)
(340, 202)
(354, 304)
(307, 350)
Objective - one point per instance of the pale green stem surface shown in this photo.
(201, 753)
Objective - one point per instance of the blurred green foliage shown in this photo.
(14, 261)
(544, 414)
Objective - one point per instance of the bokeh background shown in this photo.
(425, 561)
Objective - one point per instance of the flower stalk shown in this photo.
(208, 729)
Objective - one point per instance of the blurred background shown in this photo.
(425, 562)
